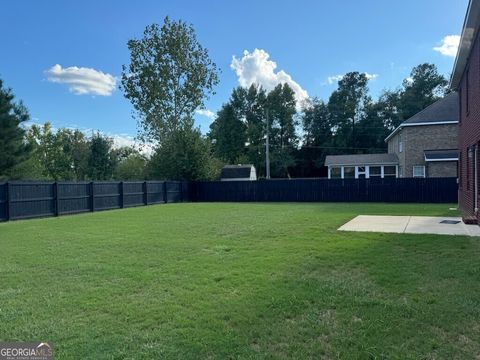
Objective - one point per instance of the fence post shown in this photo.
(121, 195)
(7, 201)
(145, 193)
(165, 197)
(92, 196)
(55, 197)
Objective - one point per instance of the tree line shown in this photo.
(350, 122)
(169, 77)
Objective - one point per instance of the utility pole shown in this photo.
(267, 150)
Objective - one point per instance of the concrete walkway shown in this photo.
(411, 225)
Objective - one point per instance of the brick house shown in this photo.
(424, 145)
(465, 80)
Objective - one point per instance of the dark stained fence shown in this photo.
(23, 200)
(3, 201)
(415, 190)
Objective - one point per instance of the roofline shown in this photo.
(419, 124)
(447, 159)
(472, 21)
(237, 166)
(366, 164)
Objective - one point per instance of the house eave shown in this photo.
(399, 127)
(366, 164)
(470, 25)
(447, 159)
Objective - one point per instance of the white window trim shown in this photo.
(357, 172)
(419, 176)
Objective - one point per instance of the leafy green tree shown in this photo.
(424, 86)
(372, 129)
(347, 108)
(282, 122)
(317, 137)
(169, 76)
(52, 151)
(80, 152)
(131, 166)
(317, 129)
(183, 155)
(388, 108)
(250, 104)
(58, 155)
(228, 134)
(102, 159)
(281, 105)
(13, 149)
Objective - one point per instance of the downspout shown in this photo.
(476, 179)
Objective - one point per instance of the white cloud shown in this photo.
(82, 81)
(371, 76)
(336, 78)
(448, 45)
(207, 113)
(120, 140)
(257, 68)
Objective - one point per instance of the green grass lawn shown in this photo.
(193, 281)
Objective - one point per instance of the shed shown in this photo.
(238, 173)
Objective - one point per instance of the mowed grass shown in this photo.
(219, 281)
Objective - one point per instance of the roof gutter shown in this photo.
(364, 164)
(446, 159)
(470, 25)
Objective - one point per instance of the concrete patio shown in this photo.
(411, 225)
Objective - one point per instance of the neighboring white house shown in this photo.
(362, 166)
(238, 173)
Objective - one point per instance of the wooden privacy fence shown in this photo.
(22, 200)
(415, 190)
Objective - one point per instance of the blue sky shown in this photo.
(309, 41)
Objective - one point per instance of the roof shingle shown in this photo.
(445, 109)
(362, 159)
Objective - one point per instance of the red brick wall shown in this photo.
(469, 132)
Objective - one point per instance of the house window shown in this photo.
(375, 171)
(349, 172)
(336, 173)
(389, 171)
(419, 171)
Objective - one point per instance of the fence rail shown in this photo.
(23, 200)
(415, 190)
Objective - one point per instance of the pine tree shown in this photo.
(13, 149)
